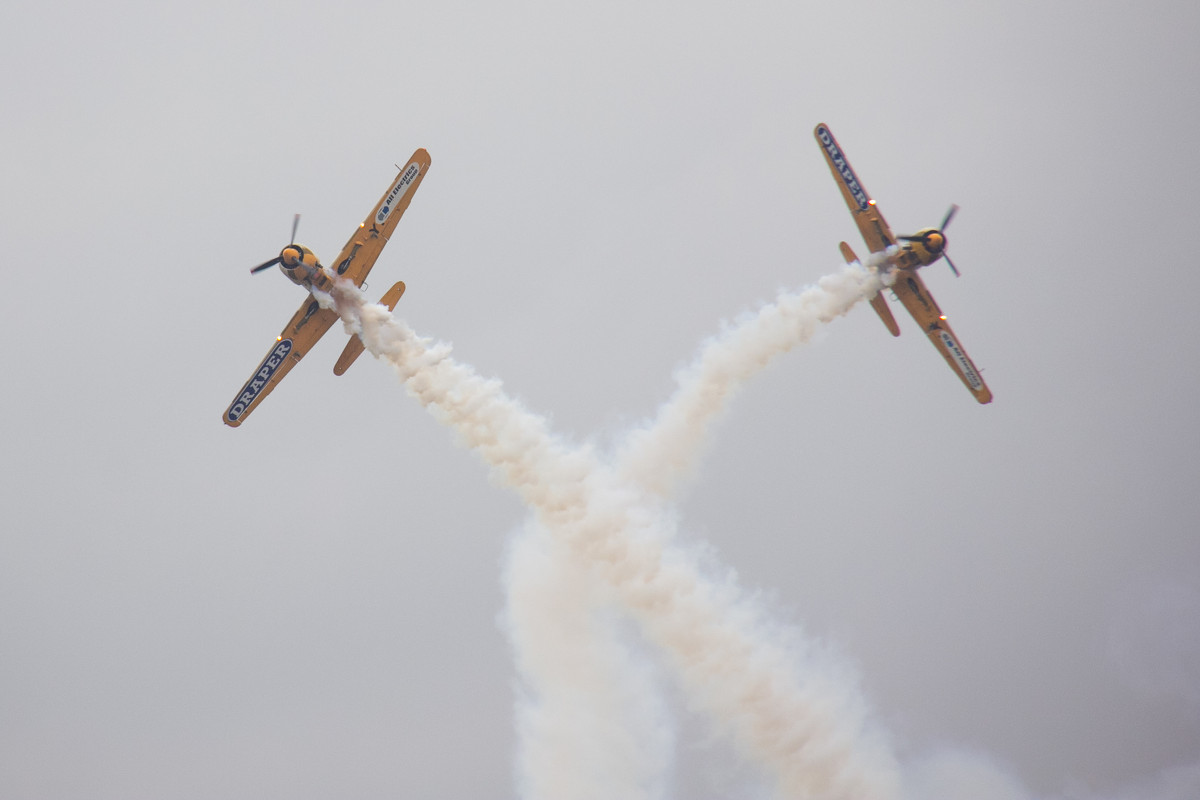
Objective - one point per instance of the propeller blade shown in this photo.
(266, 265)
(295, 225)
(949, 216)
(952, 267)
(911, 238)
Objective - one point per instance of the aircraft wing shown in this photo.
(304, 329)
(911, 291)
(364, 247)
(871, 224)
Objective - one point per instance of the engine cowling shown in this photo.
(299, 263)
(925, 246)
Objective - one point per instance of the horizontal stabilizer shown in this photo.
(881, 308)
(354, 347)
(878, 302)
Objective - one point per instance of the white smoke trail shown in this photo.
(590, 716)
(810, 731)
(657, 456)
(782, 705)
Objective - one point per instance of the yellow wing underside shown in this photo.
(304, 330)
(911, 292)
(870, 222)
(360, 253)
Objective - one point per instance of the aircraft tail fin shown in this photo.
(354, 347)
(878, 302)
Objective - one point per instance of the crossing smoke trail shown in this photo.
(601, 720)
(551, 621)
(809, 728)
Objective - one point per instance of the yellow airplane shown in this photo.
(301, 266)
(919, 250)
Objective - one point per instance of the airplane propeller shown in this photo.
(279, 258)
(266, 264)
(950, 264)
(945, 220)
(941, 229)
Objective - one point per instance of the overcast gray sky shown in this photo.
(309, 605)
